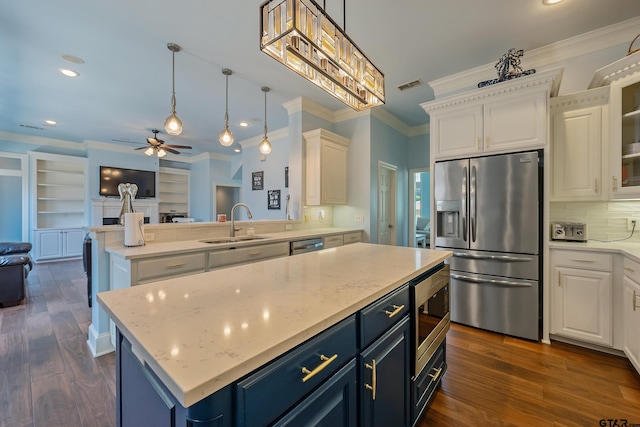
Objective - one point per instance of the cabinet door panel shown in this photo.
(576, 154)
(631, 321)
(49, 244)
(583, 305)
(72, 242)
(457, 132)
(516, 121)
(332, 405)
(388, 357)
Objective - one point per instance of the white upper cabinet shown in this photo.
(579, 129)
(506, 117)
(326, 174)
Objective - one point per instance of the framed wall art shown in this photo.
(273, 199)
(257, 180)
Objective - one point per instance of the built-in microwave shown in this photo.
(431, 319)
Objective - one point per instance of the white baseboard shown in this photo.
(99, 344)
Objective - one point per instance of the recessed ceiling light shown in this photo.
(73, 59)
(50, 122)
(550, 2)
(244, 124)
(69, 72)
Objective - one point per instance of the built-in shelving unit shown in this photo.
(58, 205)
(174, 192)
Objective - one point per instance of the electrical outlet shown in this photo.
(630, 223)
(149, 237)
(359, 218)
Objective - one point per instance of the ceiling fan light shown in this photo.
(149, 151)
(226, 137)
(161, 153)
(265, 146)
(173, 125)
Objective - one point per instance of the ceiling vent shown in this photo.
(410, 85)
(32, 127)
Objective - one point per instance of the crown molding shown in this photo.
(40, 140)
(583, 99)
(592, 41)
(300, 104)
(273, 135)
(548, 79)
(419, 130)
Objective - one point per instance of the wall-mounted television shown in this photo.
(111, 177)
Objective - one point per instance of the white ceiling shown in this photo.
(124, 87)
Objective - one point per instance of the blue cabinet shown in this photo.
(143, 400)
(334, 404)
(385, 376)
(425, 384)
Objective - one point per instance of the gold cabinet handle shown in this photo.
(582, 260)
(629, 269)
(615, 183)
(596, 185)
(178, 264)
(634, 301)
(559, 276)
(255, 253)
(374, 379)
(434, 377)
(396, 309)
(479, 143)
(488, 142)
(319, 368)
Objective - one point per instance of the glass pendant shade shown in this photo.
(173, 125)
(303, 37)
(149, 151)
(226, 137)
(161, 153)
(265, 145)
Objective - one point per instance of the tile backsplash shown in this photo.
(605, 220)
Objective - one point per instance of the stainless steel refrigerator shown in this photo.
(488, 212)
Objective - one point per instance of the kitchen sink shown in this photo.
(219, 240)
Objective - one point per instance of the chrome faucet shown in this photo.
(233, 218)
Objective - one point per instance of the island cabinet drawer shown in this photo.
(170, 266)
(332, 241)
(242, 255)
(275, 388)
(379, 316)
(632, 269)
(582, 260)
(354, 237)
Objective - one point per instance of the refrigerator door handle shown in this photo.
(505, 283)
(506, 258)
(464, 204)
(473, 203)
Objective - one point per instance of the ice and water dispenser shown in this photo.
(448, 219)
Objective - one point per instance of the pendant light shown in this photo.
(226, 137)
(265, 145)
(173, 125)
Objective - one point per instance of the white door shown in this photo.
(386, 204)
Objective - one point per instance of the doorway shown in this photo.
(387, 204)
(226, 197)
(420, 208)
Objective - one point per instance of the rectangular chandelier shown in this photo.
(300, 35)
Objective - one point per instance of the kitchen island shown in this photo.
(197, 336)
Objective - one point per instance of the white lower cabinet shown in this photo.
(631, 311)
(582, 296)
(57, 243)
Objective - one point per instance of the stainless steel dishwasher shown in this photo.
(307, 245)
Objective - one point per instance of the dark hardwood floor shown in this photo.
(49, 378)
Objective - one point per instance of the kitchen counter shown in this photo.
(202, 332)
(186, 246)
(631, 250)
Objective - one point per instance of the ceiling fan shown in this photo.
(158, 147)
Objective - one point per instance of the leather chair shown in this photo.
(15, 264)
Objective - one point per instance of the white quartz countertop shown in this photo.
(185, 246)
(202, 332)
(630, 249)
